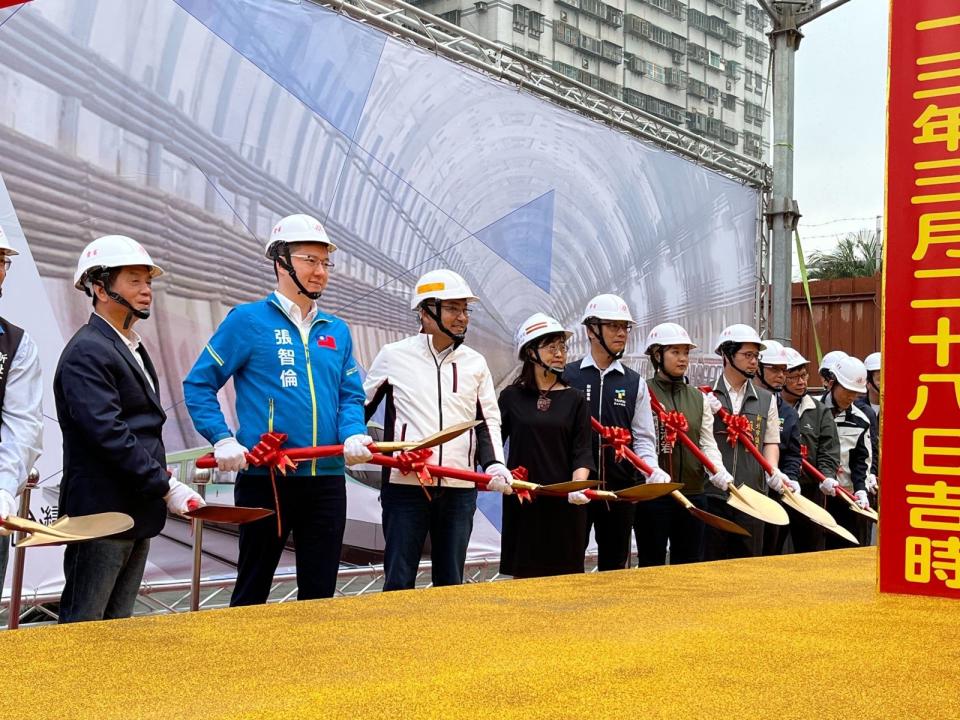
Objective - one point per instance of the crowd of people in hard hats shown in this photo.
(293, 371)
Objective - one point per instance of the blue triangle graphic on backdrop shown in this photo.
(524, 238)
(327, 61)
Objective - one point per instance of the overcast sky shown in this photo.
(840, 121)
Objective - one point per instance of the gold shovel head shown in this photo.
(29, 526)
(871, 513)
(806, 506)
(569, 486)
(438, 438)
(93, 526)
(648, 491)
(842, 532)
(709, 518)
(229, 514)
(757, 505)
(40, 539)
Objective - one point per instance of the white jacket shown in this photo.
(426, 391)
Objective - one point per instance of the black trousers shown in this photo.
(314, 509)
(662, 520)
(720, 545)
(845, 517)
(806, 535)
(612, 524)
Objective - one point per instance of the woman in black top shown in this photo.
(548, 425)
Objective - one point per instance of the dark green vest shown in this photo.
(738, 461)
(679, 461)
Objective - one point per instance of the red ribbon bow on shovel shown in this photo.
(268, 453)
(736, 424)
(618, 438)
(520, 473)
(415, 461)
(675, 423)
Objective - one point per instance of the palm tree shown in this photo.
(856, 255)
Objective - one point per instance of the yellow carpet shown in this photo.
(791, 637)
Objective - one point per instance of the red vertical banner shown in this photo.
(920, 464)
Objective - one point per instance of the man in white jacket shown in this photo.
(427, 382)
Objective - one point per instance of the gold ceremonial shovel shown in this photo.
(849, 499)
(709, 518)
(647, 491)
(757, 505)
(438, 438)
(806, 506)
(72, 529)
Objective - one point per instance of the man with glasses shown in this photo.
(818, 434)
(293, 371)
(427, 382)
(21, 414)
(617, 396)
(739, 346)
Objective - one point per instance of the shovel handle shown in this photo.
(600, 494)
(745, 440)
(682, 436)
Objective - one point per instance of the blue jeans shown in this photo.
(407, 518)
(102, 578)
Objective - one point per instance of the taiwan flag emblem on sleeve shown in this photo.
(327, 341)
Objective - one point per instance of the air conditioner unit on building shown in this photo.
(729, 84)
(585, 64)
(480, 5)
(563, 16)
(709, 112)
(678, 58)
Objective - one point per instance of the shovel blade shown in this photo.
(228, 514)
(807, 507)
(569, 486)
(757, 505)
(718, 522)
(648, 491)
(94, 526)
(842, 532)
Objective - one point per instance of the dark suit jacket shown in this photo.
(112, 423)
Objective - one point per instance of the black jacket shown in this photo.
(112, 424)
(790, 457)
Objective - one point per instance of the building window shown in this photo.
(670, 7)
(535, 21)
(756, 17)
(654, 106)
(729, 101)
(520, 14)
(566, 34)
(453, 16)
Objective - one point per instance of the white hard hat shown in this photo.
(296, 229)
(112, 251)
(441, 285)
(5, 247)
(831, 359)
(667, 334)
(536, 326)
(851, 374)
(794, 359)
(872, 362)
(607, 307)
(738, 333)
(774, 354)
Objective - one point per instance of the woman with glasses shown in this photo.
(548, 426)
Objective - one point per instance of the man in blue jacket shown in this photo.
(108, 405)
(293, 372)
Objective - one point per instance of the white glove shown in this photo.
(659, 476)
(713, 402)
(872, 484)
(500, 482)
(355, 450)
(829, 487)
(230, 455)
(577, 498)
(862, 499)
(8, 506)
(721, 479)
(793, 485)
(180, 498)
(776, 480)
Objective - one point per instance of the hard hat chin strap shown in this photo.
(763, 381)
(281, 254)
(102, 278)
(870, 380)
(656, 357)
(729, 354)
(432, 308)
(534, 354)
(597, 331)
